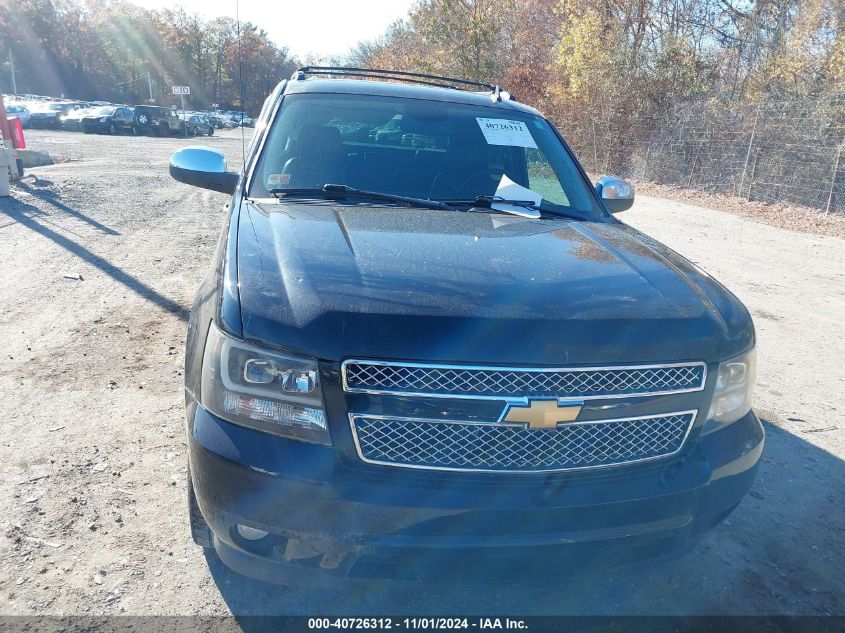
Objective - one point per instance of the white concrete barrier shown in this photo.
(5, 164)
(34, 158)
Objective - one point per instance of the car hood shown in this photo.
(339, 282)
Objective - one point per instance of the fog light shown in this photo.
(250, 533)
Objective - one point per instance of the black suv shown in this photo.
(427, 350)
(157, 120)
(109, 120)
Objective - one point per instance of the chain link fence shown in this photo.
(786, 151)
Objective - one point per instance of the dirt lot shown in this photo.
(93, 451)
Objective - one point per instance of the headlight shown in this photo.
(263, 389)
(732, 396)
(104, 119)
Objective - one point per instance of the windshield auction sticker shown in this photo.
(506, 132)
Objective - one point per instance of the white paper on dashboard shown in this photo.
(506, 132)
(510, 190)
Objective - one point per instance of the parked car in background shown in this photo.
(48, 114)
(240, 118)
(18, 112)
(109, 120)
(157, 121)
(216, 120)
(197, 125)
(72, 120)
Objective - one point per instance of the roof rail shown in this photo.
(415, 78)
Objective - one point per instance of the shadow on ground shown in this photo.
(49, 196)
(759, 561)
(36, 220)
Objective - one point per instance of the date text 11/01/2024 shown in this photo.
(416, 623)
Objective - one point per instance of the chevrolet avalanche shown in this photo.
(426, 350)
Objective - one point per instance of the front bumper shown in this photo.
(44, 122)
(326, 518)
(95, 126)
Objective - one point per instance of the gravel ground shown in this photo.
(101, 255)
(784, 216)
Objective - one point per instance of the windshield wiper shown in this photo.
(300, 192)
(330, 190)
(487, 202)
(390, 197)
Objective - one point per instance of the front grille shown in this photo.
(435, 444)
(493, 382)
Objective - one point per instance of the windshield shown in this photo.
(419, 149)
(104, 111)
(49, 107)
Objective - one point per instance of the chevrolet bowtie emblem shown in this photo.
(541, 414)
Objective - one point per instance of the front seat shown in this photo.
(318, 158)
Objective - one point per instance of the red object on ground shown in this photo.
(16, 129)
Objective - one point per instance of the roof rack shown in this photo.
(415, 78)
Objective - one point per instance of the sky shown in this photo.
(306, 27)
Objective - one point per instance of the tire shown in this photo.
(200, 532)
(211, 131)
(112, 129)
(144, 125)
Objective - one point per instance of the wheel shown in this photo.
(211, 131)
(200, 531)
(112, 129)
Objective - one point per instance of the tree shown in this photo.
(105, 49)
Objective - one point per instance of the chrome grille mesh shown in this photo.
(499, 447)
(439, 380)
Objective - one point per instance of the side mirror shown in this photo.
(203, 167)
(617, 194)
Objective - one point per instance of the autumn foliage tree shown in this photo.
(674, 90)
(666, 89)
(105, 49)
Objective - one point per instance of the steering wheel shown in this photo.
(489, 172)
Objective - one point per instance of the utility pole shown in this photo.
(12, 64)
(833, 180)
(150, 84)
(748, 153)
(4, 123)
